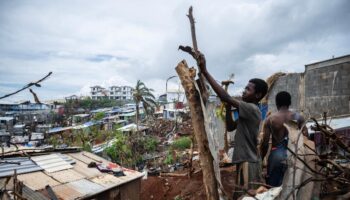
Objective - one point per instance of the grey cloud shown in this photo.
(122, 41)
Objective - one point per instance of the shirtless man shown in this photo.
(274, 125)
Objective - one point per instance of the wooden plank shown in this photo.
(37, 180)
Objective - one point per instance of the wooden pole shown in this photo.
(187, 76)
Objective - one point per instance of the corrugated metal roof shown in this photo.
(37, 136)
(29, 194)
(37, 180)
(52, 162)
(66, 176)
(26, 166)
(66, 192)
(79, 180)
(67, 158)
(85, 186)
(58, 129)
(6, 118)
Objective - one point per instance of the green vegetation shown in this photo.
(150, 144)
(178, 197)
(120, 150)
(98, 116)
(182, 143)
(169, 159)
(53, 141)
(128, 149)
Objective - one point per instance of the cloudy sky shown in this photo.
(117, 42)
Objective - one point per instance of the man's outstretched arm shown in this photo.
(223, 95)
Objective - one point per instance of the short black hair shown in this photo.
(260, 86)
(283, 98)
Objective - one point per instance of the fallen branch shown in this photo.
(173, 174)
(28, 86)
(331, 134)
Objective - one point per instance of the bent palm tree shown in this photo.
(142, 94)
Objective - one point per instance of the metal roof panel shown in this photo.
(26, 165)
(29, 194)
(52, 162)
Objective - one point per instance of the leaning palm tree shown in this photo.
(142, 94)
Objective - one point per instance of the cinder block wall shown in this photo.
(323, 87)
(327, 89)
(289, 83)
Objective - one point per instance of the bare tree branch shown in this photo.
(193, 29)
(28, 86)
(331, 134)
(36, 99)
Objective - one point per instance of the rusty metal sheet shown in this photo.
(29, 194)
(107, 180)
(66, 176)
(85, 186)
(66, 193)
(82, 168)
(52, 162)
(37, 180)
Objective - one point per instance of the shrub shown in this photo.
(99, 116)
(150, 144)
(182, 143)
(169, 158)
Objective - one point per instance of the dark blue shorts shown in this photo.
(277, 166)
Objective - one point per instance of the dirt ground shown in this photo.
(161, 188)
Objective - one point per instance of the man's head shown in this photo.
(255, 90)
(283, 99)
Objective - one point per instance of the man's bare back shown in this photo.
(275, 124)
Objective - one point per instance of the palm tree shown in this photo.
(142, 94)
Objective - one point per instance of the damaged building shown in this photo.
(323, 87)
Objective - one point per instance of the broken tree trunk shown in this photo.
(187, 76)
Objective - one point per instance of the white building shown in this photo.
(114, 92)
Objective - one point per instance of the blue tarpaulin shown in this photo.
(263, 110)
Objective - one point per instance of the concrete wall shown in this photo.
(323, 87)
(289, 83)
(327, 89)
